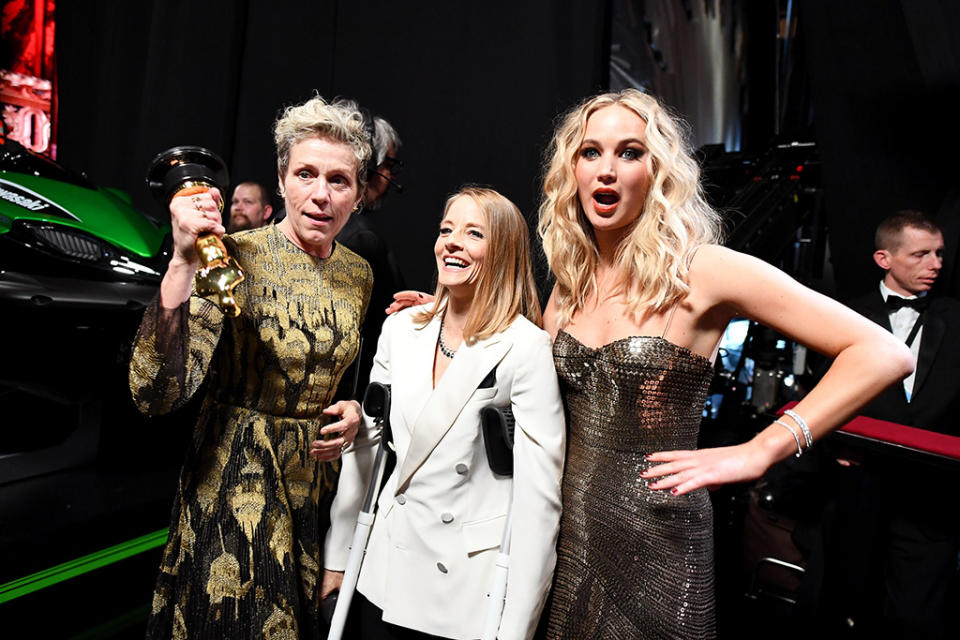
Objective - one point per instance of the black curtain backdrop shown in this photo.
(886, 85)
(472, 88)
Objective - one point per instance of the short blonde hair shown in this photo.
(340, 121)
(653, 260)
(505, 286)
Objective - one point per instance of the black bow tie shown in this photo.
(896, 302)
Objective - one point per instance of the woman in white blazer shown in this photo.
(429, 564)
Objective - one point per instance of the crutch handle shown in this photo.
(498, 424)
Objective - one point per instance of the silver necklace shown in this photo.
(444, 349)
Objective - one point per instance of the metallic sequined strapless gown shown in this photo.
(632, 562)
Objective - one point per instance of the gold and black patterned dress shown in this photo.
(243, 557)
(632, 562)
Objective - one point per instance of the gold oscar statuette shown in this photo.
(188, 170)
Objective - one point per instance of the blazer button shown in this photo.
(402, 499)
(441, 567)
(461, 468)
(447, 517)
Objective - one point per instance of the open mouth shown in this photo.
(605, 200)
(454, 263)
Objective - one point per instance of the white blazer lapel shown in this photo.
(467, 370)
(418, 365)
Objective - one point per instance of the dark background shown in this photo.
(886, 89)
(472, 89)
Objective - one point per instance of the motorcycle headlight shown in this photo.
(73, 243)
(79, 246)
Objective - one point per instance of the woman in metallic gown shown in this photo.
(642, 296)
(243, 556)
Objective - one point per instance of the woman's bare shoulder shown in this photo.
(708, 257)
(719, 269)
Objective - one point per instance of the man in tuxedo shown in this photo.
(909, 249)
(892, 539)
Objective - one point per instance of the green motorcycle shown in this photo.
(77, 265)
(66, 242)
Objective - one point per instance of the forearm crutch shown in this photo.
(497, 424)
(376, 404)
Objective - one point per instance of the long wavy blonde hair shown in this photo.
(653, 259)
(504, 286)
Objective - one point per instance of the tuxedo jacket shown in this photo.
(936, 390)
(430, 561)
(360, 237)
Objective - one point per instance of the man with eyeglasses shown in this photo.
(386, 145)
(360, 236)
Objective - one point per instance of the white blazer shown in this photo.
(430, 560)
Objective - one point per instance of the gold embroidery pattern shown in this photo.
(243, 556)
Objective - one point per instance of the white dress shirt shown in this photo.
(902, 321)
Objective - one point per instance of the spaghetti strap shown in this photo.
(669, 320)
(674, 309)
